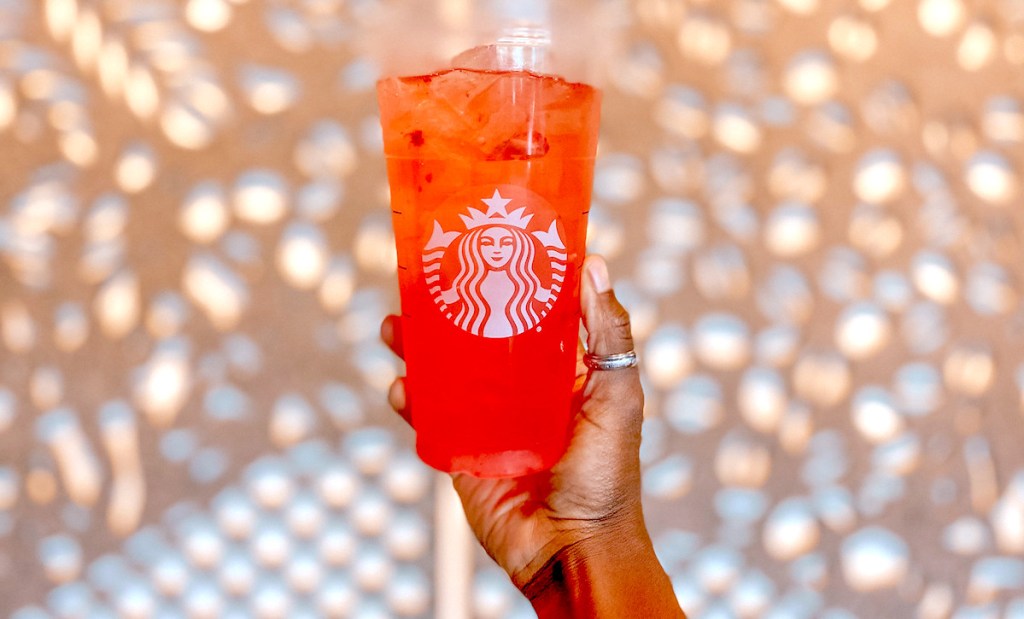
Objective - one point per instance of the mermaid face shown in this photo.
(496, 247)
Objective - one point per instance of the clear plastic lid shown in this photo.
(572, 39)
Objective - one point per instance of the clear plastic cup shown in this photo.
(490, 120)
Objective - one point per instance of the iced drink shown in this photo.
(490, 175)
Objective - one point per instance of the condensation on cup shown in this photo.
(490, 114)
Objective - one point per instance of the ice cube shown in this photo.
(524, 145)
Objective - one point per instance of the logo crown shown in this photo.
(496, 214)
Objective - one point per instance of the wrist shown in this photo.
(611, 573)
(576, 535)
(601, 542)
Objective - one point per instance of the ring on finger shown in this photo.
(620, 361)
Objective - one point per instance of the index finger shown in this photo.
(391, 334)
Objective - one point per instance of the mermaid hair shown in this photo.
(475, 311)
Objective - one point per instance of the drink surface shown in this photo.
(490, 177)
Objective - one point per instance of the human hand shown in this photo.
(589, 502)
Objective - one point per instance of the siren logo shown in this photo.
(497, 271)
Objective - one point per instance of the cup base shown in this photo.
(513, 463)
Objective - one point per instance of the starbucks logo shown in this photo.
(499, 268)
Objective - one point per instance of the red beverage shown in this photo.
(490, 176)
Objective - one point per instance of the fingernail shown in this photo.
(598, 271)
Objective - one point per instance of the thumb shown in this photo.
(606, 321)
(614, 399)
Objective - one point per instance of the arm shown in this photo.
(613, 575)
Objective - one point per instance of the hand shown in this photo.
(591, 497)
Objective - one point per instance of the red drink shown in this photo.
(490, 177)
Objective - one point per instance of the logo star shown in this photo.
(496, 205)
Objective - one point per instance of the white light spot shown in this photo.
(721, 272)
(966, 536)
(1007, 516)
(117, 305)
(304, 573)
(61, 557)
(271, 546)
(164, 383)
(86, 38)
(940, 18)
(185, 126)
(202, 544)
(717, 569)
(875, 415)
(217, 290)
(327, 152)
(141, 92)
(683, 112)
(800, 7)
(669, 479)
(269, 91)
(260, 197)
(269, 483)
(874, 558)
(752, 594)
(735, 128)
(792, 229)
(235, 514)
(1003, 120)
(407, 480)
(811, 78)
(208, 15)
(970, 370)
(977, 47)
(375, 246)
(372, 568)
(61, 16)
(337, 597)
(862, 331)
(321, 199)
(934, 277)
(990, 177)
(704, 38)
(742, 462)
(619, 179)
(762, 399)
(338, 485)
(8, 105)
(791, 530)
(880, 177)
(853, 38)
(292, 420)
(8, 412)
(302, 256)
(990, 290)
(204, 215)
(918, 388)
(667, 356)
(338, 285)
(696, 406)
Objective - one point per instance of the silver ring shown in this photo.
(620, 361)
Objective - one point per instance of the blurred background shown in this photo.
(813, 209)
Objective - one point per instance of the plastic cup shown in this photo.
(490, 137)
